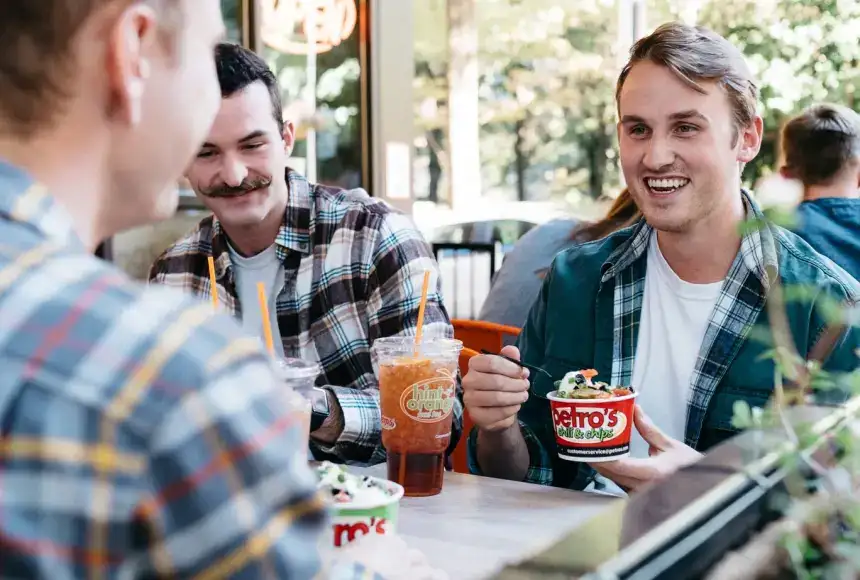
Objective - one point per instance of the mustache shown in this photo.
(237, 190)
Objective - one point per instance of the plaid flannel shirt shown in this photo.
(741, 300)
(142, 435)
(353, 272)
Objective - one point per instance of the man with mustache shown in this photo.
(340, 268)
(675, 305)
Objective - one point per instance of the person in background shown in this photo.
(518, 281)
(668, 305)
(821, 147)
(340, 268)
(143, 435)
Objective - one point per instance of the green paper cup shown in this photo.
(350, 521)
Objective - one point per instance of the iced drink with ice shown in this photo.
(417, 393)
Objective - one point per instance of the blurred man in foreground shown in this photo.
(142, 436)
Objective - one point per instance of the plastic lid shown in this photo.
(295, 368)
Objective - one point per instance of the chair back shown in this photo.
(475, 335)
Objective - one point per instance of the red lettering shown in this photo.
(346, 533)
(612, 418)
(380, 526)
(562, 417)
(583, 418)
(351, 531)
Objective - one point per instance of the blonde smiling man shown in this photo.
(668, 304)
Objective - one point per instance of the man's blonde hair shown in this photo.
(697, 54)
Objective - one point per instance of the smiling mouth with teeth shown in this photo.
(666, 185)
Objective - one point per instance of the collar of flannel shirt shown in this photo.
(758, 249)
(294, 234)
(26, 201)
(738, 306)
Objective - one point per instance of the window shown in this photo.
(314, 50)
(545, 104)
(232, 13)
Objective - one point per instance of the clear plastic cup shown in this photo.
(300, 376)
(417, 393)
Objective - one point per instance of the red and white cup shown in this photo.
(592, 430)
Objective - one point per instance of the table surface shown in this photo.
(477, 525)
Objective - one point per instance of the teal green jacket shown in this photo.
(587, 316)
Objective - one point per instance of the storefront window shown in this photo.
(232, 13)
(313, 48)
(545, 101)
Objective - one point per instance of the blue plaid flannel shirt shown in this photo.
(142, 435)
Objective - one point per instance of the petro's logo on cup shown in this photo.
(588, 425)
(348, 529)
(431, 400)
(592, 430)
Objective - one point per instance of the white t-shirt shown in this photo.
(675, 316)
(265, 267)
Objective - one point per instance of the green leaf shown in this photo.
(741, 415)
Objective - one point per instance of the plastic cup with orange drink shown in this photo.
(417, 394)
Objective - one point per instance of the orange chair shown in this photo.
(475, 335)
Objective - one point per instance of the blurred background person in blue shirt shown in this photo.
(821, 147)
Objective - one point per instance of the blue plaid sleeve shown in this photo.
(400, 259)
(230, 492)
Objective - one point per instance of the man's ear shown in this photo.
(750, 140)
(131, 34)
(289, 136)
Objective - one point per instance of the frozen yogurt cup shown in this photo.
(592, 421)
(358, 504)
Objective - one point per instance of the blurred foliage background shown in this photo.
(547, 71)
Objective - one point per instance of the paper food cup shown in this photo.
(592, 430)
(350, 521)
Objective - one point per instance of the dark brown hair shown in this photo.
(621, 214)
(697, 54)
(239, 67)
(36, 58)
(819, 143)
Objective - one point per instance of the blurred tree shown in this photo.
(554, 99)
(802, 52)
(548, 71)
(336, 116)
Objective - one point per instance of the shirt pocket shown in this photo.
(721, 408)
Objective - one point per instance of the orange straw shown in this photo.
(420, 328)
(213, 284)
(264, 311)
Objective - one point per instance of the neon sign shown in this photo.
(295, 26)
